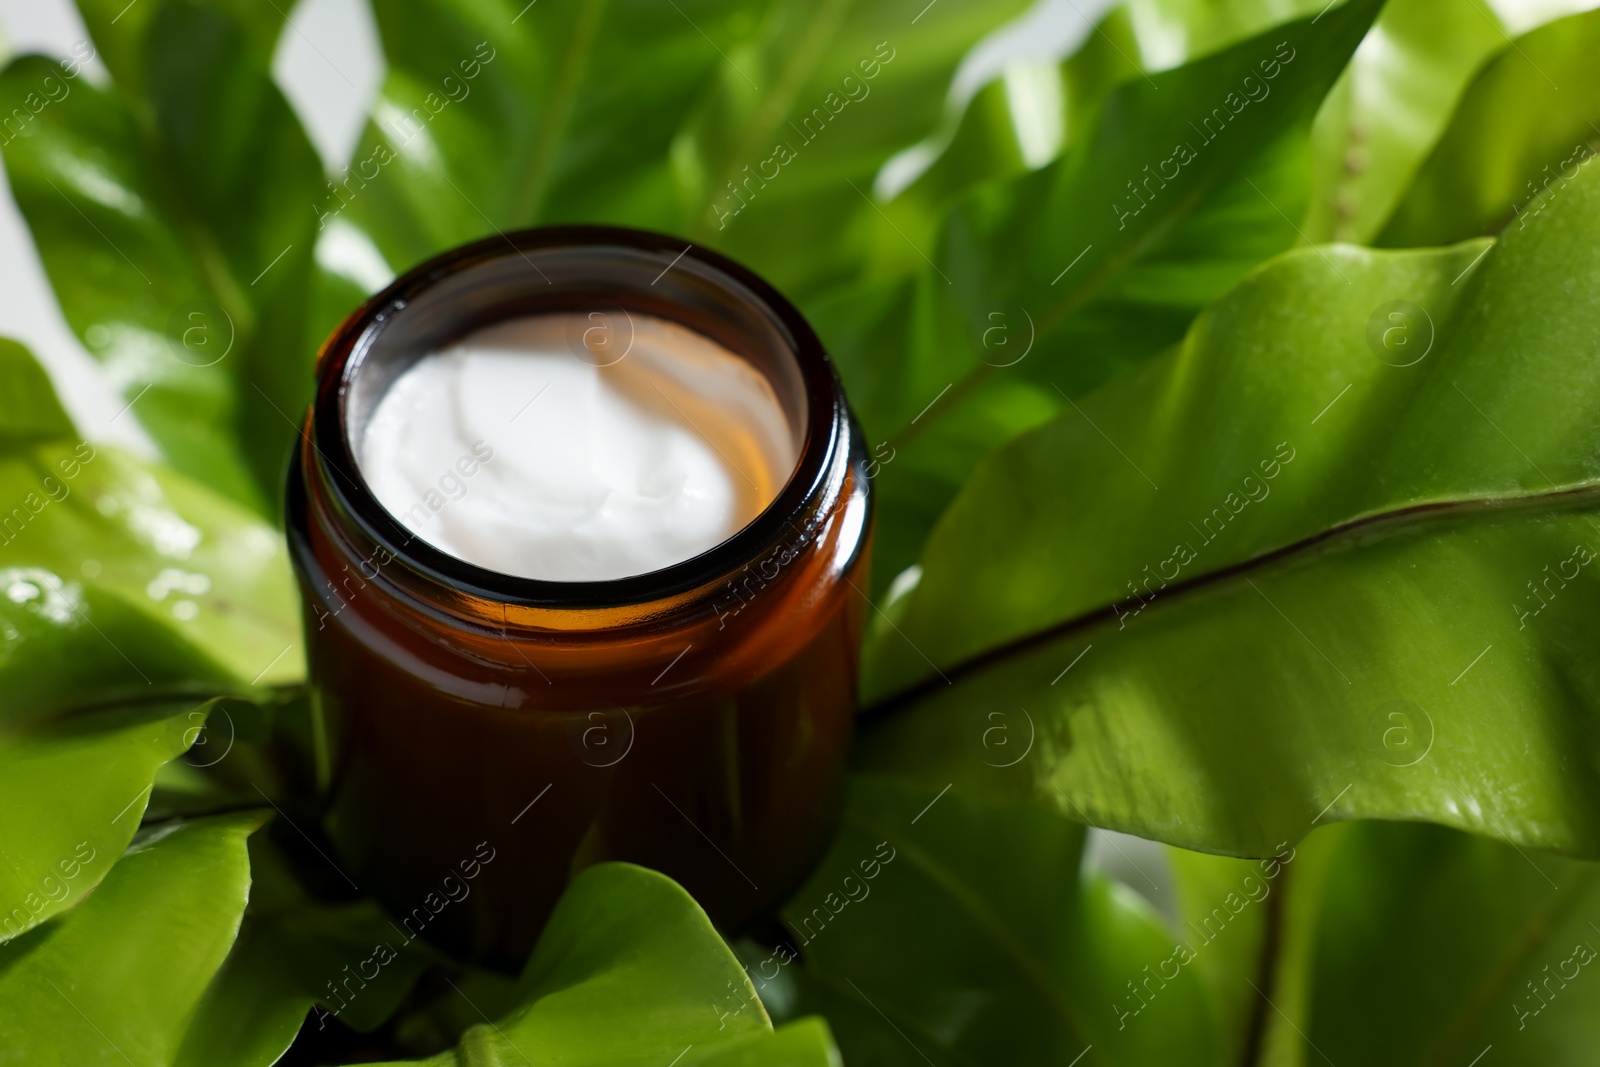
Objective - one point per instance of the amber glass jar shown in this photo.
(492, 735)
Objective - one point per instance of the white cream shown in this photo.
(551, 447)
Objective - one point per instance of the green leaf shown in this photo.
(495, 115)
(942, 931)
(326, 953)
(250, 1014)
(1006, 128)
(122, 587)
(73, 791)
(1514, 142)
(1252, 925)
(116, 980)
(1072, 274)
(177, 228)
(1484, 946)
(119, 30)
(1020, 246)
(1171, 32)
(805, 1043)
(121, 579)
(630, 971)
(780, 177)
(262, 744)
(1389, 107)
(1350, 556)
(1226, 940)
(293, 952)
(500, 115)
(30, 413)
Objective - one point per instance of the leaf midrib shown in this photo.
(1055, 315)
(528, 197)
(1398, 518)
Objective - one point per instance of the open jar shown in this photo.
(491, 735)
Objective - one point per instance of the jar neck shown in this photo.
(347, 542)
(346, 560)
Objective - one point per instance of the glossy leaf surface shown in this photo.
(1046, 286)
(630, 971)
(117, 979)
(74, 791)
(1514, 143)
(123, 579)
(122, 588)
(1398, 495)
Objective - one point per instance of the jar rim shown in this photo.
(826, 431)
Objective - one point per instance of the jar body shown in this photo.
(482, 753)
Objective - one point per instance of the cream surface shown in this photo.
(574, 448)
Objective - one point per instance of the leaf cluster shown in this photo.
(1232, 402)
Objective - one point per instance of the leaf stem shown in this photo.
(1266, 974)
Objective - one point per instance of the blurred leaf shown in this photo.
(942, 931)
(439, 1012)
(1227, 941)
(117, 979)
(1362, 556)
(1514, 142)
(1050, 284)
(177, 227)
(224, 757)
(1424, 934)
(324, 953)
(500, 115)
(1252, 926)
(780, 177)
(119, 29)
(1171, 32)
(1019, 122)
(497, 114)
(630, 971)
(30, 413)
(1483, 946)
(1389, 107)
